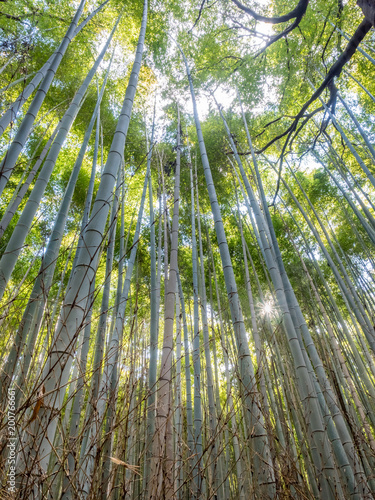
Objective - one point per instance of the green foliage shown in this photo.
(226, 51)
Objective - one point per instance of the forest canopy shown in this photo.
(187, 221)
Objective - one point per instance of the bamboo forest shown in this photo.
(187, 249)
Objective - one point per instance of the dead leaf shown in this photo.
(127, 466)
(38, 405)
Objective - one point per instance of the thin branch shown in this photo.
(297, 12)
(335, 71)
(199, 16)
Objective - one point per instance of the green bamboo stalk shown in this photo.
(57, 369)
(262, 467)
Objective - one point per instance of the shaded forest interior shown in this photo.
(187, 260)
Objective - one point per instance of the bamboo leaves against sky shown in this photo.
(187, 228)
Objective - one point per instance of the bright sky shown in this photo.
(204, 103)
